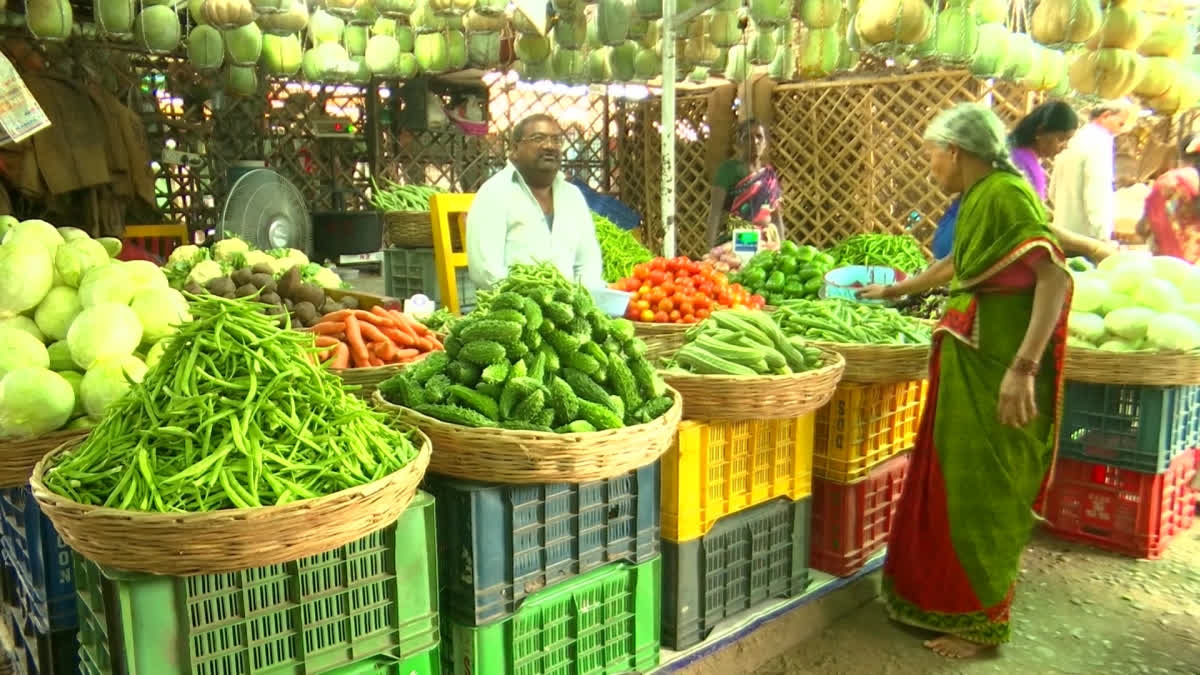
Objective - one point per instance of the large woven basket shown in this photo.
(17, 458)
(662, 339)
(743, 397)
(413, 229)
(229, 540)
(370, 378)
(520, 457)
(1161, 369)
(879, 364)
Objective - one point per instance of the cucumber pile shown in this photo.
(739, 342)
(537, 356)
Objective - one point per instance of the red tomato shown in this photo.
(659, 263)
(686, 307)
(657, 277)
(661, 317)
(676, 315)
(666, 305)
(668, 287)
(642, 305)
(758, 299)
(655, 296)
(702, 313)
(689, 318)
(647, 315)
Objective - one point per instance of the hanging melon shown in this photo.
(699, 49)
(195, 12)
(325, 27)
(533, 72)
(292, 20)
(568, 66)
(1123, 27)
(699, 75)
(1107, 73)
(571, 33)
(361, 74)
(818, 13)
(114, 18)
(423, 19)
(450, 7)
(723, 29)
(1055, 69)
(649, 9)
(612, 22)
(991, 56)
(783, 66)
(956, 35)
(491, 7)
(1020, 56)
(157, 29)
(737, 64)
(1056, 22)
(205, 48)
(1183, 94)
(227, 14)
(760, 50)
(718, 66)
(282, 55)
(483, 50)
(621, 61)
(381, 55)
(49, 19)
(523, 26)
(1171, 38)
(820, 54)
(598, 70)
(407, 66)
(532, 49)
(243, 45)
(487, 23)
(382, 26)
(647, 65)
(354, 39)
(770, 13)
(456, 50)
(567, 7)
(241, 80)
(1035, 77)
(902, 21)
(431, 53)
(984, 11)
(650, 35)
(396, 8)
(1161, 74)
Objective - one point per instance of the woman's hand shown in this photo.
(1017, 406)
(1102, 250)
(876, 292)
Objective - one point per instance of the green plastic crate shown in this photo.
(604, 622)
(375, 596)
(426, 663)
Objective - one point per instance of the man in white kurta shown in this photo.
(1082, 183)
(529, 213)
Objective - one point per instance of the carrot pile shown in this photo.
(358, 338)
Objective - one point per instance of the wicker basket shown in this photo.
(522, 457)
(662, 339)
(369, 378)
(1161, 369)
(17, 458)
(879, 364)
(229, 540)
(743, 397)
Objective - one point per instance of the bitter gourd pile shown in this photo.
(539, 356)
(741, 342)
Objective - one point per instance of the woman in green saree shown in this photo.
(988, 436)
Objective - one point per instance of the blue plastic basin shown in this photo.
(846, 282)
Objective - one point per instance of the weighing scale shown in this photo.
(746, 243)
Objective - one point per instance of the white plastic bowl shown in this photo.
(611, 302)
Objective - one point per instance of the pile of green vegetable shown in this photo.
(237, 415)
(396, 197)
(743, 342)
(438, 321)
(199, 265)
(849, 322)
(791, 272)
(1135, 302)
(928, 305)
(886, 250)
(619, 248)
(535, 355)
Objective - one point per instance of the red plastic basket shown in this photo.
(851, 522)
(1129, 512)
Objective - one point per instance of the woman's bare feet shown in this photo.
(953, 647)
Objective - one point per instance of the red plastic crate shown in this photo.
(851, 522)
(1129, 512)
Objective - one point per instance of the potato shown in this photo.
(241, 277)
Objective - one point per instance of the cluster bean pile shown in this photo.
(237, 415)
(850, 323)
(535, 355)
(733, 342)
(619, 248)
(887, 250)
(396, 197)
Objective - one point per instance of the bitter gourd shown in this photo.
(516, 390)
(429, 366)
(483, 352)
(455, 415)
(600, 416)
(531, 405)
(436, 388)
(461, 372)
(564, 401)
(469, 398)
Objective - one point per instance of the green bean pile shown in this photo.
(888, 250)
(619, 248)
(236, 415)
(849, 322)
(397, 197)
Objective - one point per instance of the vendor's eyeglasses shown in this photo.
(545, 140)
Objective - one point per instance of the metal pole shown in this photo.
(667, 186)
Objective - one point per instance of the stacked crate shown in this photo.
(1126, 461)
(736, 514)
(859, 463)
(548, 578)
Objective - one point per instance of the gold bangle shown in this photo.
(1024, 366)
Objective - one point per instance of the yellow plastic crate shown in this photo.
(718, 468)
(865, 425)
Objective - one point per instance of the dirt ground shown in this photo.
(1077, 611)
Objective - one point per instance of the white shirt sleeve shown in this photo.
(1098, 196)
(487, 232)
(589, 262)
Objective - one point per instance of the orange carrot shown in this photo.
(383, 316)
(386, 350)
(326, 341)
(368, 317)
(398, 336)
(424, 344)
(372, 332)
(341, 357)
(339, 315)
(403, 355)
(354, 338)
(404, 323)
(329, 328)
(375, 362)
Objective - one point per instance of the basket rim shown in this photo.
(815, 373)
(15, 453)
(40, 491)
(1141, 368)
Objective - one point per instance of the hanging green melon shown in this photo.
(1020, 56)
(407, 66)
(431, 52)
(195, 12)
(723, 29)
(241, 80)
(491, 7)
(821, 53)
(474, 22)
(309, 69)
(405, 38)
(569, 66)
(571, 33)
(956, 35)
(365, 14)
(638, 28)
(612, 22)
(205, 48)
(737, 66)
(1161, 74)
(647, 65)
(621, 61)
(1035, 77)
(761, 48)
(360, 74)
(989, 11)
(332, 62)
(819, 13)
(282, 55)
(51, 19)
(719, 64)
(114, 18)
(649, 9)
(991, 57)
(354, 39)
(243, 45)
(424, 20)
(157, 29)
(325, 27)
(383, 26)
(381, 55)
(395, 8)
(532, 49)
(483, 50)
(456, 50)
(783, 66)
(770, 13)
(533, 72)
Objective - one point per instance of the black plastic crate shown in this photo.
(1138, 428)
(745, 560)
(498, 544)
(409, 271)
(38, 653)
(41, 562)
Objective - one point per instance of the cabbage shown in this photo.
(1174, 271)
(1124, 258)
(84, 422)
(36, 230)
(1128, 278)
(225, 249)
(160, 311)
(1189, 286)
(103, 331)
(145, 274)
(327, 278)
(34, 401)
(1158, 295)
(1173, 332)
(106, 285)
(6, 223)
(19, 349)
(1090, 291)
(154, 355)
(26, 275)
(76, 257)
(107, 381)
(57, 311)
(1086, 326)
(1129, 323)
(1119, 346)
(60, 356)
(26, 324)
(75, 378)
(205, 271)
(1190, 311)
(1115, 301)
(1073, 341)
(70, 234)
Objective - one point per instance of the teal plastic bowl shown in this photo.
(611, 302)
(846, 282)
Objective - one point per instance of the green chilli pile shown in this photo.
(619, 249)
(889, 250)
(236, 415)
(535, 355)
(393, 196)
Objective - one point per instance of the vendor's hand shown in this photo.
(1102, 250)
(876, 292)
(1017, 406)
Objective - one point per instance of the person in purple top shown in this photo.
(1042, 134)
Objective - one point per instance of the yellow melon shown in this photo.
(903, 21)
(1058, 21)
(1123, 27)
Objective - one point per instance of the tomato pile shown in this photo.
(681, 290)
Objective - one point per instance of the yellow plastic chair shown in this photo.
(444, 210)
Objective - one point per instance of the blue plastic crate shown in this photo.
(1138, 428)
(499, 544)
(40, 653)
(41, 562)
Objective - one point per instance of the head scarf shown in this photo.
(976, 130)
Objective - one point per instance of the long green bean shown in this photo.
(217, 425)
(849, 323)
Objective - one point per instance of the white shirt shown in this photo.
(506, 226)
(1082, 184)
